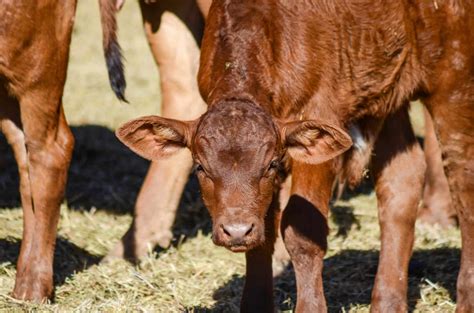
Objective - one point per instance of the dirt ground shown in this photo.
(193, 275)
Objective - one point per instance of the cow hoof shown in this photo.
(33, 287)
(134, 250)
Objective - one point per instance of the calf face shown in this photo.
(238, 149)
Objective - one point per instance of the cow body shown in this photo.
(286, 83)
(34, 48)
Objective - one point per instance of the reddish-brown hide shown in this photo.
(176, 25)
(34, 48)
(286, 82)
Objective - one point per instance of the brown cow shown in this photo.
(286, 83)
(34, 50)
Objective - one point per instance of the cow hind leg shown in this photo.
(173, 29)
(398, 168)
(43, 148)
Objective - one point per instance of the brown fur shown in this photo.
(295, 64)
(34, 50)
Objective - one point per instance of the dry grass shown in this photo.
(192, 276)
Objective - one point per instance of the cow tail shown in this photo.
(112, 50)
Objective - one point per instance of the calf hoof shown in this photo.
(33, 287)
(389, 303)
(465, 293)
(464, 307)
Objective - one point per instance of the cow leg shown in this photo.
(437, 208)
(43, 149)
(258, 290)
(304, 229)
(398, 168)
(173, 29)
(453, 120)
(11, 127)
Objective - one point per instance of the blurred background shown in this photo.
(193, 275)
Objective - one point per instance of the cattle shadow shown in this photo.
(68, 258)
(106, 175)
(103, 173)
(348, 280)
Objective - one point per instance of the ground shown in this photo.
(193, 275)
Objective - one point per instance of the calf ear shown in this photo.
(314, 142)
(154, 137)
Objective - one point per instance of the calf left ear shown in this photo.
(314, 142)
(154, 137)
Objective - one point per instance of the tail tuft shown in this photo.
(112, 50)
(115, 68)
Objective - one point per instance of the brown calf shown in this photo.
(34, 49)
(286, 83)
(173, 26)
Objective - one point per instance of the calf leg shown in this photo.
(455, 128)
(258, 290)
(304, 229)
(173, 29)
(43, 168)
(398, 168)
(437, 208)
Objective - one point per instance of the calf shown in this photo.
(34, 49)
(316, 88)
(171, 26)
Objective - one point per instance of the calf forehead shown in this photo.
(236, 133)
(239, 124)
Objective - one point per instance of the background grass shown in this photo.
(193, 275)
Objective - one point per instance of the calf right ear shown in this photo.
(154, 137)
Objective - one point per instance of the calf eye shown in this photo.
(198, 168)
(273, 165)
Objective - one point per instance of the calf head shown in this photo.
(238, 149)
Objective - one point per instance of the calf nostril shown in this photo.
(249, 231)
(225, 230)
(237, 231)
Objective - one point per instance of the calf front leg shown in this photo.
(398, 168)
(258, 290)
(304, 229)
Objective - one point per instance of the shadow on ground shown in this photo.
(68, 258)
(348, 280)
(106, 175)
